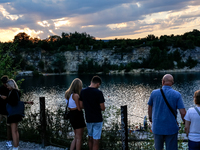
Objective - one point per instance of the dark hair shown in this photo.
(96, 79)
(4, 79)
(197, 97)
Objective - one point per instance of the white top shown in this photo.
(194, 118)
(72, 103)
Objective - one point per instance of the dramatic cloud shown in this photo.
(101, 19)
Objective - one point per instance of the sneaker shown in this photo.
(9, 144)
(15, 148)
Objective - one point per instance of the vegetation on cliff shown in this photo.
(159, 57)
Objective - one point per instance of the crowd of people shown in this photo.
(162, 111)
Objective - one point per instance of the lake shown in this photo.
(131, 90)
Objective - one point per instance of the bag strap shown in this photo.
(67, 106)
(197, 110)
(170, 108)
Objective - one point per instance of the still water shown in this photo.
(118, 90)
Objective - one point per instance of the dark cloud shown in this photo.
(97, 13)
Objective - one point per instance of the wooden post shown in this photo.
(124, 129)
(43, 120)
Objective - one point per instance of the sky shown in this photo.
(102, 19)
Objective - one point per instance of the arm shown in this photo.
(81, 104)
(3, 97)
(76, 99)
(30, 102)
(182, 112)
(102, 106)
(150, 113)
(187, 127)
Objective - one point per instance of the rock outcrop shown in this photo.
(74, 58)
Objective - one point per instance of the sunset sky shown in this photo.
(103, 19)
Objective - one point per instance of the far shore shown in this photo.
(112, 72)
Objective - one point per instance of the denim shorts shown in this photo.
(94, 130)
(193, 145)
(170, 141)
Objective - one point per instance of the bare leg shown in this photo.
(78, 136)
(15, 134)
(95, 144)
(73, 144)
(90, 142)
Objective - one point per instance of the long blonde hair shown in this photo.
(75, 87)
(11, 83)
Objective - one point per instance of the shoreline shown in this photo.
(118, 72)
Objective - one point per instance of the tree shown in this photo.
(59, 62)
(22, 39)
(7, 65)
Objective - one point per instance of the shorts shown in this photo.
(170, 141)
(95, 129)
(14, 119)
(193, 145)
(4, 116)
(76, 119)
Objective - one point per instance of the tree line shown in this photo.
(159, 57)
(84, 41)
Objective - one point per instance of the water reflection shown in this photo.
(118, 90)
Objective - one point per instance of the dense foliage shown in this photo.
(159, 58)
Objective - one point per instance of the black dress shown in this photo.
(13, 98)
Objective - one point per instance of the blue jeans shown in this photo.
(170, 141)
(193, 145)
(94, 130)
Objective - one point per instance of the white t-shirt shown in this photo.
(194, 118)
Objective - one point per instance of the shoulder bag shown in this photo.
(170, 108)
(197, 110)
(66, 114)
(17, 109)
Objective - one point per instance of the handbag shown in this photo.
(66, 114)
(170, 108)
(17, 109)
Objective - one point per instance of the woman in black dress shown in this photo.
(76, 114)
(12, 99)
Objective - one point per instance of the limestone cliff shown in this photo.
(74, 58)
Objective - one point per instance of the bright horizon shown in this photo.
(101, 19)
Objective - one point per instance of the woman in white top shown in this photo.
(192, 124)
(76, 114)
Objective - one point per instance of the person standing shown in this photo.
(164, 124)
(13, 119)
(76, 114)
(192, 124)
(92, 100)
(3, 112)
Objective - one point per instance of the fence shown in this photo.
(49, 128)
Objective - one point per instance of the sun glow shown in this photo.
(44, 24)
(7, 14)
(117, 26)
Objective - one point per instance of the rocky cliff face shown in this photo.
(74, 58)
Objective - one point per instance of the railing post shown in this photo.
(124, 129)
(43, 121)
